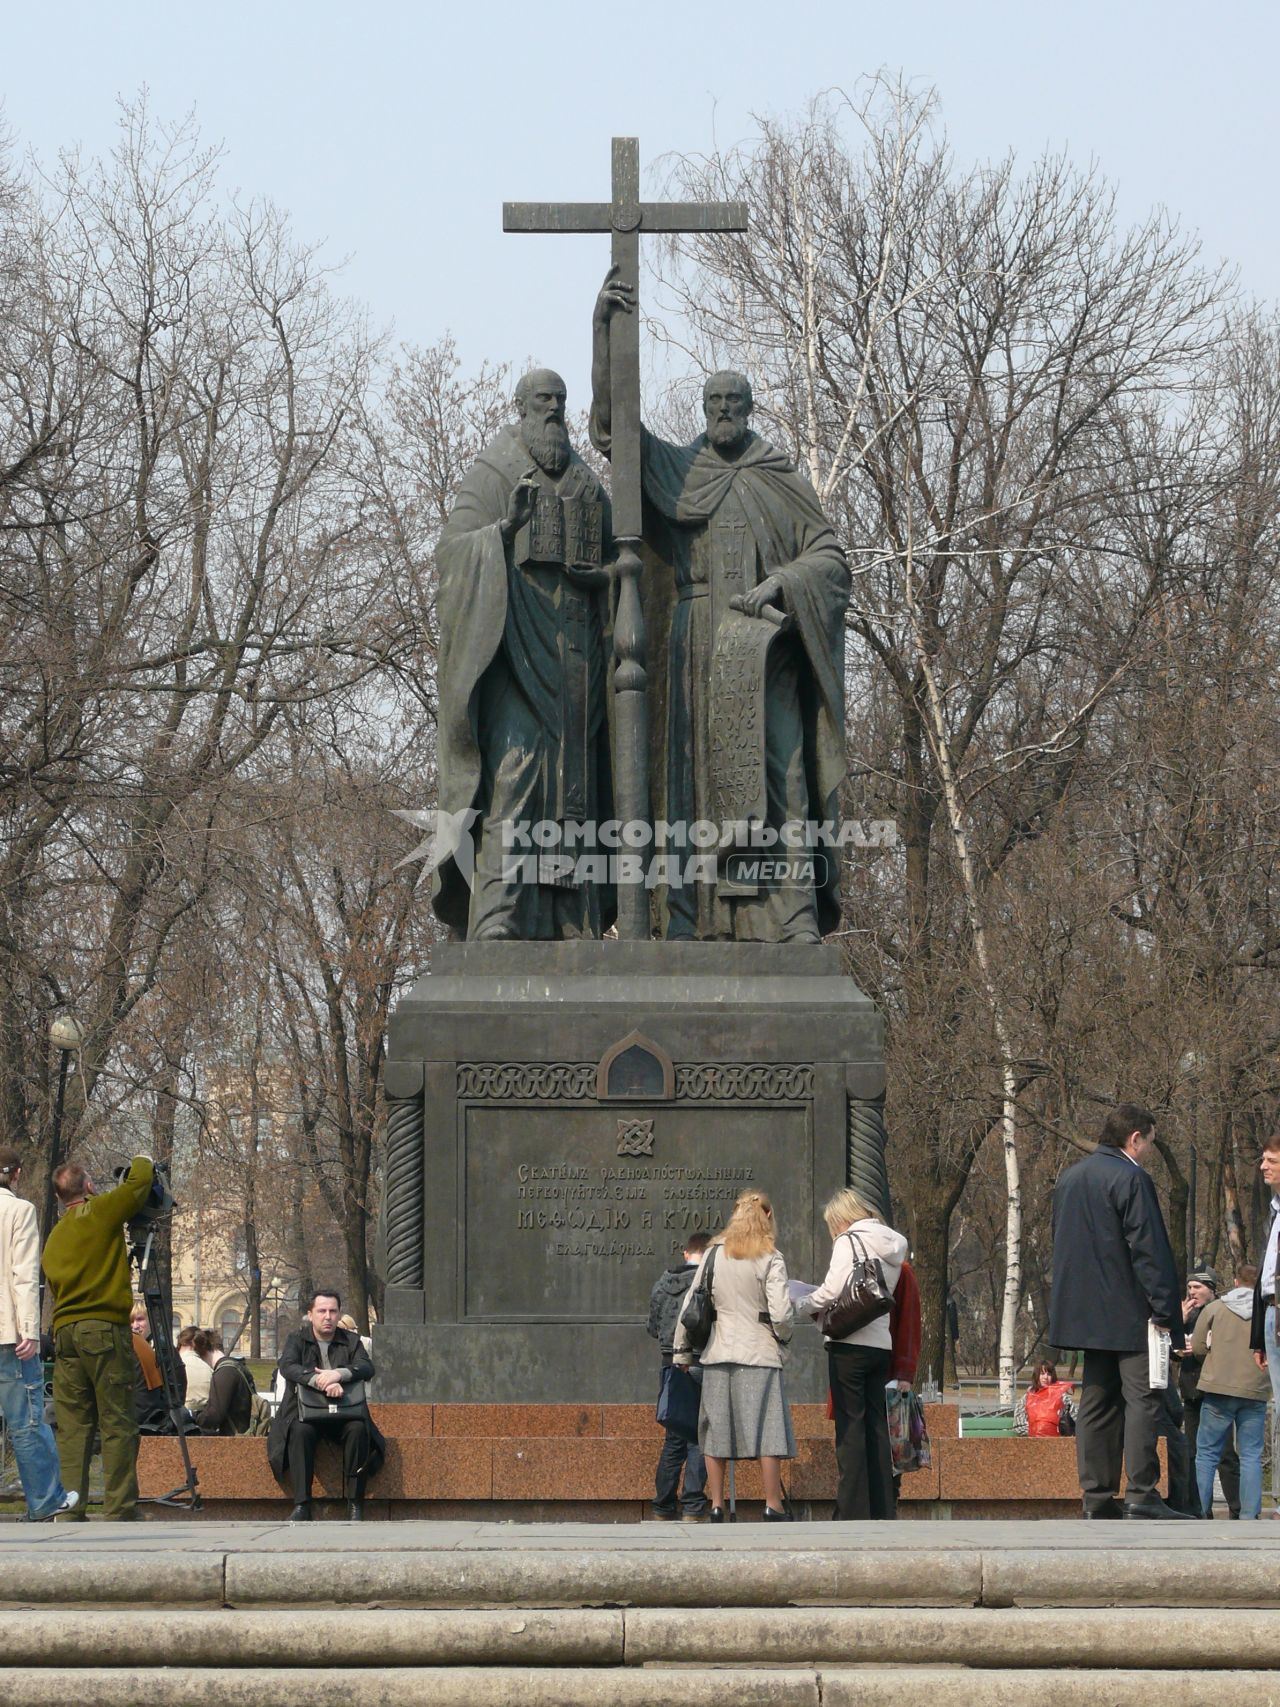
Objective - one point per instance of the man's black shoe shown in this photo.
(1153, 1508)
(301, 1513)
(1112, 1508)
(355, 1512)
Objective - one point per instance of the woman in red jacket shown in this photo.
(1041, 1408)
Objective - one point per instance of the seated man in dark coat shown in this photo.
(1113, 1276)
(326, 1360)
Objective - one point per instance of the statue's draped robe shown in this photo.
(523, 728)
(718, 528)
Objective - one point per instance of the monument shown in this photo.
(564, 1109)
(523, 726)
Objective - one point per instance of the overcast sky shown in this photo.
(396, 131)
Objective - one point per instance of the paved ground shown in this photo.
(405, 1536)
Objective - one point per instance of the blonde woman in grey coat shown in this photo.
(744, 1411)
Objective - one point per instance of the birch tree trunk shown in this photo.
(955, 808)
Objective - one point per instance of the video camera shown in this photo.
(159, 1203)
(158, 1206)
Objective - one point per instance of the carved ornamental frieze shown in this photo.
(576, 1081)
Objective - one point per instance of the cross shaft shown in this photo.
(626, 217)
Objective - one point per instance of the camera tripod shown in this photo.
(160, 1321)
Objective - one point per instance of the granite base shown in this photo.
(563, 1116)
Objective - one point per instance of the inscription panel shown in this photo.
(559, 1225)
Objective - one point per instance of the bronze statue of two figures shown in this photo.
(683, 798)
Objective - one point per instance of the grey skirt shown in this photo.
(744, 1413)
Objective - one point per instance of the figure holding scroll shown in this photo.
(750, 609)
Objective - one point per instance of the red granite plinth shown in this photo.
(404, 1419)
(1012, 1466)
(583, 1469)
(596, 1463)
(417, 1467)
(501, 1422)
(630, 1422)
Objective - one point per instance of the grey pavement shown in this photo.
(193, 1535)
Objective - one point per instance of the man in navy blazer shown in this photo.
(1113, 1274)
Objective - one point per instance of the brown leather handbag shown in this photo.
(863, 1297)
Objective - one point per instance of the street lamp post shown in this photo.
(1192, 1185)
(66, 1034)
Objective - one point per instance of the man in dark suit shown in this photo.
(1264, 1334)
(330, 1363)
(1114, 1274)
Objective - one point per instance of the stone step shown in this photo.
(476, 1566)
(469, 1686)
(1207, 1640)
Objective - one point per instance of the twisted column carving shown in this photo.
(865, 1167)
(404, 1191)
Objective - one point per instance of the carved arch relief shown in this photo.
(636, 1069)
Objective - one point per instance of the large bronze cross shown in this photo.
(626, 216)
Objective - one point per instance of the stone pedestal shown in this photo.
(563, 1115)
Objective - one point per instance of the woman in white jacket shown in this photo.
(859, 1363)
(744, 1411)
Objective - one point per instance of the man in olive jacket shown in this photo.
(86, 1264)
(323, 1356)
(1114, 1274)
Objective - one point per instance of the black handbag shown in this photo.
(679, 1400)
(699, 1313)
(863, 1298)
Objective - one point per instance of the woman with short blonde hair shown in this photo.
(860, 1362)
(744, 1411)
(844, 1209)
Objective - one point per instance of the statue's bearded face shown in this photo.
(726, 398)
(540, 403)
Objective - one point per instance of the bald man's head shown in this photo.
(726, 402)
(539, 402)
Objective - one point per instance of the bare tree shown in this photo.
(956, 357)
(177, 401)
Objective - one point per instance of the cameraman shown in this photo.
(87, 1266)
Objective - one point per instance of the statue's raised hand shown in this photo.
(524, 495)
(614, 295)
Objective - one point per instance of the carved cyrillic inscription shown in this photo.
(583, 1230)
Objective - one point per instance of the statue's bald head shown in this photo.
(539, 402)
(727, 403)
(541, 389)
